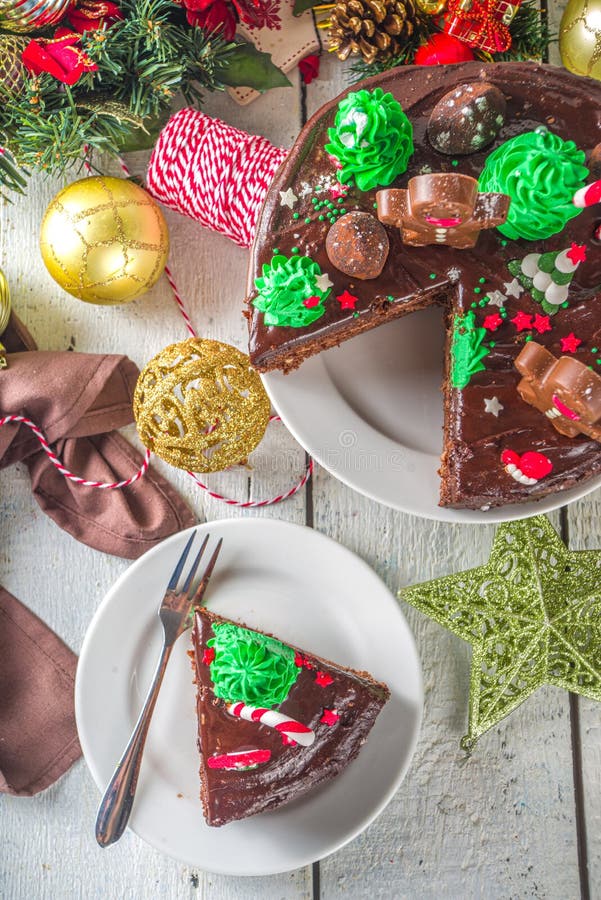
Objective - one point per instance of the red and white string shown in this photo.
(102, 485)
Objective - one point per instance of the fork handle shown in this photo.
(116, 805)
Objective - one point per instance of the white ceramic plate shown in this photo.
(306, 589)
(370, 412)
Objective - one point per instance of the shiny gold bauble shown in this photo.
(200, 406)
(580, 37)
(104, 240)
(5, 304)
(431, 7)
(12, 68)
(30, 15)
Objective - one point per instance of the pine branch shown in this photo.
(530, 34)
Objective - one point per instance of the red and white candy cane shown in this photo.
(290, 729)
(239, 759)
(588, 195)
(103, 485)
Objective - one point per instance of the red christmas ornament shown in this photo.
(442, 49)
(309, 68)
(483, 24)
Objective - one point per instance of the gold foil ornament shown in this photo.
(200, 406)
(30, 15)
(5, 310)
(580, 37)
(12, 68)
(432, 7)
(104, 240)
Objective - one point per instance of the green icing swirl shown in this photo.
(467, 349)
(540, 172)
(372, 139)
(250, 667)
(286, 283)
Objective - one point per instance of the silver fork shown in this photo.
(175, 615)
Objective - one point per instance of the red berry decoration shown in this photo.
(528, 468)
(442, 49)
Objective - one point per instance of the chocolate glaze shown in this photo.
(291, 771)
(472, 475)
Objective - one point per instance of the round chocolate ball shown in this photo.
(357, 244)
(467, 119)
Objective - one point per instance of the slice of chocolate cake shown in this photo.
(461, 186)
(273, 721)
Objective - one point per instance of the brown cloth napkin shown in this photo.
(38, 737)
(78, 399)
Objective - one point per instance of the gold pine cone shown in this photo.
(12, 69)
(373, 29)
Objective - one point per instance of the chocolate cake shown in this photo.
(273, 721)
(498, 448)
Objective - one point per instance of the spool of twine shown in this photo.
(214, 173)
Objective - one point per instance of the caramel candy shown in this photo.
(467, 119)
(357, 244)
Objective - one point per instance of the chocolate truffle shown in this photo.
(467, 119)
(357, 244)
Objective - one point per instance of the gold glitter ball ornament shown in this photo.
(104, 240)
(12, 68)
(30, 15)
(5, 304)
(200, 406)
(580, 37)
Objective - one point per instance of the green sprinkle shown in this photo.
(492, 344)
(340, 200)
(307, 220)
(473, 305)
(503, 313)
(390, 297)
(375, 205)
(482, 280)
(594, 350)
(528, 338)
(454, 162)
(296, 215)
(294, 249)
(565, 305)
(314, 200)
(432, 275)
(477, 290)
(355, 315)
(321, 218)
(503, 243)
(598, 361)
(343, 212)
(483, 302)
(275, 251)
(486, 299)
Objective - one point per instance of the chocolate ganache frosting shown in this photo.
(491, 313)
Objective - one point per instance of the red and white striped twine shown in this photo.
(102, 485)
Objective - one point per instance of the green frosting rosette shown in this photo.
(372, 139)
(289, 295)
(540, 172)
(249, 667)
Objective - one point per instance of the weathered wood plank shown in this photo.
(49, 848)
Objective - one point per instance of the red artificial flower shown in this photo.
(309, 68)
(212, 16)
(61, 56)
(90, 15)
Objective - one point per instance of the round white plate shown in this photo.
(370, 412)
(306, 589)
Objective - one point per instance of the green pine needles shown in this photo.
(143, 62)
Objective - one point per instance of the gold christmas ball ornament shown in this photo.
(12, 68)
(580, 37)
(30, 15)
(104, 240)
(5, 304)
(200, 406)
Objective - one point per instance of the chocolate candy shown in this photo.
(467, 119)
(357, 244)
(594, 162)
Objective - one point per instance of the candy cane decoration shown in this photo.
(290, 729)
(588, 195)
(239, 759)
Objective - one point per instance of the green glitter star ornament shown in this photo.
(532, 614)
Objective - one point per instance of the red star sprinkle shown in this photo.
(541, 324)
(310, 302)
(347, 300)
(338, 190)
(323, 679)
(329, 717)
(522, 321)
(208, 656)
(298, 660)
(570, 343)
(491, 323)
(577, 253)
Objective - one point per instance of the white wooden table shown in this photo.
(522, 818)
